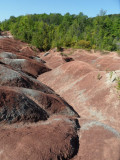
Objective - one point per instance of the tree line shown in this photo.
(55, 30)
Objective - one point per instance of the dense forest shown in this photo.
(55, 30)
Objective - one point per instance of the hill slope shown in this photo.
(35, 122)
(90, 84)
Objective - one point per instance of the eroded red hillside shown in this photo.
(90, 84)
(35, 122)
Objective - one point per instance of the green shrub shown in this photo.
(99, 76)
(59, 47)
(118, 83)
(83, 44)
(93, 46)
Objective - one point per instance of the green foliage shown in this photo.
(99, 76)
(118, 83)
(55, 30)
(83, 44)
(59, 46)
(111, 74)
(63, 54)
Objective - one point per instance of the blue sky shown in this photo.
(89, 7)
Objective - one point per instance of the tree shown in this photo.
(102, 12)
(46, 31)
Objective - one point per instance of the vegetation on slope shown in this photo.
(56, 30)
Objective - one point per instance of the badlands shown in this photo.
(58, 105)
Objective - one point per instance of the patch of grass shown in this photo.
(111, 74)
(118, 86)
(118, 83)
(99, 76)
(63, 54)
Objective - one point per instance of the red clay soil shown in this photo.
(98, 142)
(39, 92)
(108, 63)
(21, 57)
(100, 61)
(92, 93)
(84, 56)
(27, 66)
(15, 107)
(15, 46)
(51, 103)
(90, 85)
(35, 122)
(53, 59)
(54, 139)
(66, 74)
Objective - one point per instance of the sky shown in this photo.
(89, 7)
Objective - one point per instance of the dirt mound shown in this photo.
(23, 99)
(84, 56)
(84, 81)
(10, 77)
(15, 46)
(54, 139)
(99, 60)
(51, 103)
(65, 74)
(95, 97)
(10, 45)
(53, 59)
(32, 59)
(92, 94)
(15, 107)
(31, 68)
(98, 141)
(108, 63)
(21, 57)
(87, 81)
